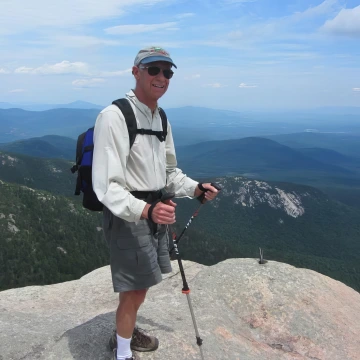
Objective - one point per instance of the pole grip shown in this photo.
(167, 196)
(201, 198)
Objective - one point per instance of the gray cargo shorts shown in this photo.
(137, 257)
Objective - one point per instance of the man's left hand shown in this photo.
(210, 194)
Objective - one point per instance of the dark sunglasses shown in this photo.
(155, 70)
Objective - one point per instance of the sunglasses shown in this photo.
(155, 70)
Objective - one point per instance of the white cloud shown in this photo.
(185, 15)
(324, 8)
(61, 14)
(64, 67)
(87, 83)
(246, 86)
(346, 22)
(115, 73)
(83, 41)
(356, 89)
(215, 85)
(139, 28)
(195, 76)
(3, 71)
(17, 91)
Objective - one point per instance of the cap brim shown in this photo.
(151, 59)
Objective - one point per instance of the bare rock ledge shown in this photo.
(244, 311)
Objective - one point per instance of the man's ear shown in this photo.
(135, 71)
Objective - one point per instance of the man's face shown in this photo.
(153, 87)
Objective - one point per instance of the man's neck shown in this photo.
(150, 104)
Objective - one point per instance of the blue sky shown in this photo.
(231, 54)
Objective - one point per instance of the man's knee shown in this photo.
(135, 297)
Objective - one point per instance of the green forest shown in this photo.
(46, 239)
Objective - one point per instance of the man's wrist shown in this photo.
(145, 211)
(198, 192)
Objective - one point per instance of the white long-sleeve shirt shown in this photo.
(149, 166)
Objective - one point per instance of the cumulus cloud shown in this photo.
(356, 89)
(61, 14)
(3, 71)
(87, 83)
(215, 85)
(64, 67)
(17, 91)
(346, 22)
(246, 86)
(139, 28)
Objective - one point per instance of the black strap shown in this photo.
(126, 109)
(79, 149)
(146, 194)
(158, 134)
(78, 185)
(164, 122)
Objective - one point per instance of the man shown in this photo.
(127, 181)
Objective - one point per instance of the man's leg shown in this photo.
(129, 304)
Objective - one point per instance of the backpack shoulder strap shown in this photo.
(126, 109)
(164, 122)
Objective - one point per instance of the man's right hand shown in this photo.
(162, 213)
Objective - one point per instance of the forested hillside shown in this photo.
(295, 224)
(46, 238)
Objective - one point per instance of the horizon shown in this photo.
(22, 105)
(233, 54)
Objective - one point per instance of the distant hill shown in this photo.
(346, 144)
(52, 175)
(42, 107)
(49, 146)
(255, 157)
(17, 124)
(333, 157)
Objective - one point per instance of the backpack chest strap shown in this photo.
(159, 134)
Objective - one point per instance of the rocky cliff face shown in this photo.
(244, 311)
(252, 193)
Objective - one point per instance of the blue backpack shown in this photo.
(85, 148)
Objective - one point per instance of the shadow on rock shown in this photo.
(90, 341)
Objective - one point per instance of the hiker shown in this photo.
(128, 182)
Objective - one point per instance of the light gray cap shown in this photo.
(151, 54)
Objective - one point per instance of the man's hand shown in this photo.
(163, 213)
(210, 194)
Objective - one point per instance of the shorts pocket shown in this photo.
(127, 243)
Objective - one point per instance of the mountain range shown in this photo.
(41, 107)
(298, 224)
(333, 172)
(190, 125)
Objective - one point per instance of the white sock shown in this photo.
(123, 348)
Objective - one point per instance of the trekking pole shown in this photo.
(202, 200)
(186, 289)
